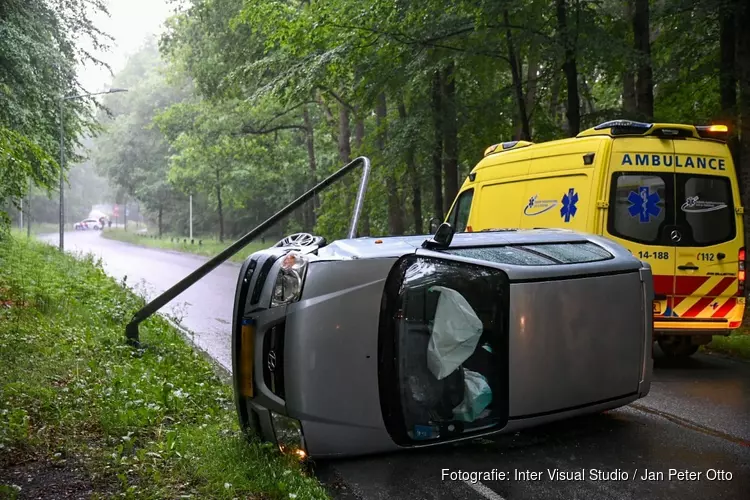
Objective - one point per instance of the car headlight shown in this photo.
(288, 432)
(291, 277)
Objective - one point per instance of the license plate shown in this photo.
(657, 307)
(247, 352)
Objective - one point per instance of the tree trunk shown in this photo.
(161, 212)
(629, 107)
(220, 207)
(531, 85)
(450, 137)
(573, 111)
(728, 72)
(310, 143)
(28, 213)
(437, 148)
(645, 82)
(359, 137)
(345, 133)
(629, 103)
(395, 215)
(125, 215)
(554, 99)
(515, 72)
(411, 168)
(587, 97)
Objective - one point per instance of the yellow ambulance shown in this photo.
(667, 192)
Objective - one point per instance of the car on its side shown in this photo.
(369, 345)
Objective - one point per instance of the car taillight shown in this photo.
(741, 271)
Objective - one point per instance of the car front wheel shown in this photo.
(678, 347)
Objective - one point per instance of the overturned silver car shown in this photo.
(368, 345)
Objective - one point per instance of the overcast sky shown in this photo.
(129, 23)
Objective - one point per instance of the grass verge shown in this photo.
(84, 415)
(737, 344)
(208, 247)
(38, 228)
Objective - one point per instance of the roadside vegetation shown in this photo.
(737, 344)
(81, 413)
(208, 247)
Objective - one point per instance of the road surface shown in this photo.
(695, 420)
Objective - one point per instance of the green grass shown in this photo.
(737, 344)
(208, 247)
(38, 228)
(153, 423)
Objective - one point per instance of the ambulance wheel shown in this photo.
(678, 347)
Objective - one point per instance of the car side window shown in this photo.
(459, 219)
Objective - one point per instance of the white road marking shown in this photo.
(483, 490)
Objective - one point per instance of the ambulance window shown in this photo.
(637, 207)
(460, 216)
(706, 205)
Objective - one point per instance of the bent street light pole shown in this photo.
(62, 154)
(131, 330)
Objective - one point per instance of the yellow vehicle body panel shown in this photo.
(672, 200)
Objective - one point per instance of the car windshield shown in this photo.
(536, 254)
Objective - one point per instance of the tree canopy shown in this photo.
(244, 105)
(39, 53)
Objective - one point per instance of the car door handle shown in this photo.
(685, 268)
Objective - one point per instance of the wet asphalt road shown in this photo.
(696, 418)
(205, 309)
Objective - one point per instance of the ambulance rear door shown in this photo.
(707, 238)
(640, 208)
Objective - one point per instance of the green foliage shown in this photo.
(274, 85)
(149, 424)
(38, 59)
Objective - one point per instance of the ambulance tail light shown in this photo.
(469, 229)
(716, 132)
(741, 271)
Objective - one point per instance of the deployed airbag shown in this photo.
(477, 397)
(456, 330)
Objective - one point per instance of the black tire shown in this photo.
(678, 347)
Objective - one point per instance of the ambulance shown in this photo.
(667, 192)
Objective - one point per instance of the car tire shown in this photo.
(678, 347)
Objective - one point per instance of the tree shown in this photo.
(38, 57)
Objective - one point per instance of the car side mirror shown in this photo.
(442, 238)
(434, 224)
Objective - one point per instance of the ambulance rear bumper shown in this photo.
(694, 326)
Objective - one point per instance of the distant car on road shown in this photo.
(369, 345)
(87, 224)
